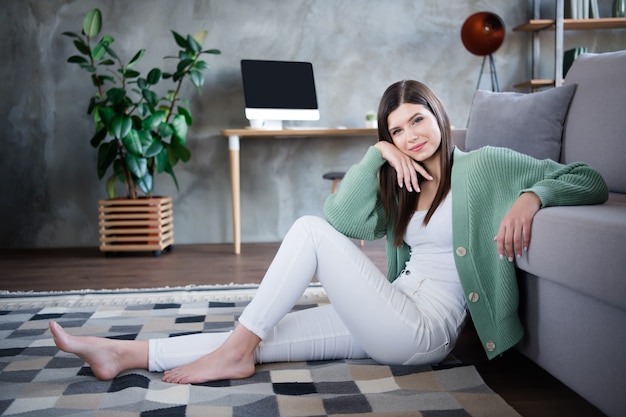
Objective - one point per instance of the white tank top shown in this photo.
(431, 248)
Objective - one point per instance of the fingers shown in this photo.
(512, 241)
(408, 174)
(407, 168)
(513, 236)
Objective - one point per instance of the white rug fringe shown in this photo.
(123, 297)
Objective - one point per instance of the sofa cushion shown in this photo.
(582, 248)
(595, 129)
(528, 123)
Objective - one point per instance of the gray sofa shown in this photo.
(573, 279)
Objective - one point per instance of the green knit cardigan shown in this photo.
(485, 184)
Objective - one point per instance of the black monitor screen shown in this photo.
(278, 84)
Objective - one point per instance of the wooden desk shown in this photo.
(234, 136)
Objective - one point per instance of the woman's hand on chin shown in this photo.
(406, 167)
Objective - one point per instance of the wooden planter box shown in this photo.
(145, 224)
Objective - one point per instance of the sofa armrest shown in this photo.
(458, 138)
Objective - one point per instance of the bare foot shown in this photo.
(212, 367)
(232, 360)
(106, 357)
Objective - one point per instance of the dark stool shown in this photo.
(335, 177)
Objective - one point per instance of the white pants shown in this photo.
(408, 321)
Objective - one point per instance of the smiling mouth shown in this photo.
(418, 147)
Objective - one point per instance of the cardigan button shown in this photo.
(491, 346)
(461, 251)
(473, 297)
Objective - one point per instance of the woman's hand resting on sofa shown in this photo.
(514, 234)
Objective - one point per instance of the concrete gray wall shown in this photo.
(48, 184)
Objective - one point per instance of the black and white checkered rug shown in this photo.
(38, 380)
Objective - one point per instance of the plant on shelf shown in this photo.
(139, 132)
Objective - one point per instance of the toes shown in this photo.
(174, 376)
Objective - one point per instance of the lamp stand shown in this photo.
(495, 85)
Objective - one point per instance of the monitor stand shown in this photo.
(266, 124)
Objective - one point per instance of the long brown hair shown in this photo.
(399, 203)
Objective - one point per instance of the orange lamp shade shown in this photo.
(482, 33)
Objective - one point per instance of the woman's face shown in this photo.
(415, 131)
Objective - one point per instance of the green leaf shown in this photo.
(145, 183)
(111, 52)
(170, 171)
(154, 121)
(178, 75)
(145, 138)
(212, 51)
(116, 95)
(154, 149)
(180, 41)
(197, 78)
(82, 47)
(161, 160)
(77, 59)
(120, 125)
(179, 149)
(107, 40)
(107, 62)
(138, 166)
(98, 51)
(110, 185)
(187, 114)
(154, 76)
(143, 109)
(201, 66)
(92, 105)
(183, 64)
(71, 35)
(97, 139)
(92, 23)
(136, 58)
(180, 126)
(151, 98)
(129, 73)
(107, 152)
(106, 115)
(88, 68)
(142, 83)
(100, 79)
(132, 143)
(166, 130)
(193, 44)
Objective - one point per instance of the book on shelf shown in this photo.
(582, 9)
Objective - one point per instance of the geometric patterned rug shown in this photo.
(36, 379)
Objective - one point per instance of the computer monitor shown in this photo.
(278, 90)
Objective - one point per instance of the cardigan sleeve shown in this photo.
(356, 210)
(569, 185)
(554, 183)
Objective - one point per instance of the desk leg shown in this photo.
(235, 189)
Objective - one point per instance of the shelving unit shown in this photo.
(558, 25)
(573, 24)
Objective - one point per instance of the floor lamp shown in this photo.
(482, 34)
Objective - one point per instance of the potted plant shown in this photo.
(140, 131)
(370, 120)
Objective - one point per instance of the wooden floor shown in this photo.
(525, 386)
